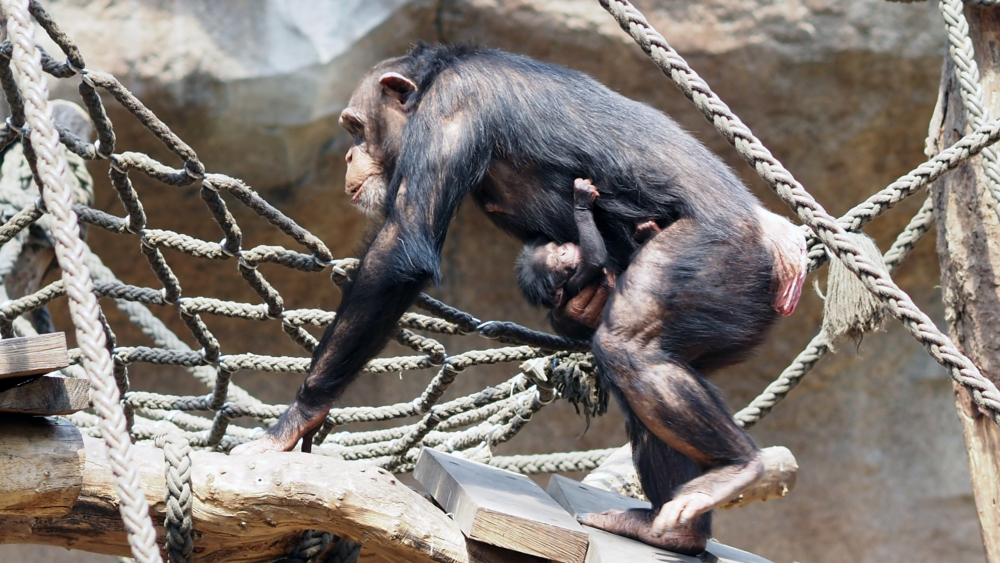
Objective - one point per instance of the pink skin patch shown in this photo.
(791, 264)
(565, 257)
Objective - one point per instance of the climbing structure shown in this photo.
(548, 367)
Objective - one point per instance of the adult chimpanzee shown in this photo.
(444, 122)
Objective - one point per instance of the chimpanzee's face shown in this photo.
(365, 181)
(561, 261)
(375, 118)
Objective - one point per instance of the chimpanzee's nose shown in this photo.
(350, 156)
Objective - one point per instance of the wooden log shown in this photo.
(617, 474)
(780, 472)
(501, 508)
(32, 355)
(48, 395)
(578, 498)
(967, 231)
(247, 509)
(41, 467)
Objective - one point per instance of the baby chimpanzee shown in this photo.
(550, 273)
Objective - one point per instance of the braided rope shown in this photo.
(70, 252)
(178, 520)
(970, 85)
(920, 177)
(313, 545)
(938, 345)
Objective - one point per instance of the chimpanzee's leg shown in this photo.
(661, 470)
(689, 296)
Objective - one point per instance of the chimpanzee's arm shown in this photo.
(593, 254)
(580, 316)
(432, 176)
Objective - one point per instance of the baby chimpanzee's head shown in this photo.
(543, 268)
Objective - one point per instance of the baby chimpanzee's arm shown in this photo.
(593, 254)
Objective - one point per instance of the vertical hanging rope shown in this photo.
(973, 100)
(70, 252)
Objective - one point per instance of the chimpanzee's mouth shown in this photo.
(355, 192)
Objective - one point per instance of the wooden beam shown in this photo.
(247, 509)
(32, 355)
(578, 498)
(41, 467)
(48, 395)
(967, 232)
(501, 508)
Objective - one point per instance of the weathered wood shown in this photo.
(578, 498)
(247, 509)
(501, 508)
(780, 472)
(48, 395)
(617, 474)
(33, 355)
(41, 466)
(967, 235)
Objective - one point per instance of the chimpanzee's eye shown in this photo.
(352, 123)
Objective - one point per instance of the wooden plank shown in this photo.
(41, 466)
(32, 355)
(48, 395)
(966, 231)
(501, 508)
(578, 498)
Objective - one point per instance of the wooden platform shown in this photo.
(501, 508)
(23, 388)
(509, 510)
(47, 396)
(33, 355)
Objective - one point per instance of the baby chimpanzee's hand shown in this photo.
(584, 193)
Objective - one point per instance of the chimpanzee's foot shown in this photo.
(636, 524)
(713, 488)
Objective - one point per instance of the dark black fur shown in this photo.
(551, 125)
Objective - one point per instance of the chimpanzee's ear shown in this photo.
(397, 86)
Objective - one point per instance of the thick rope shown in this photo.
(70, 253)
(970, 85)
(179, 499)
(908, 184)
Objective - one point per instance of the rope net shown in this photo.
(548, 367)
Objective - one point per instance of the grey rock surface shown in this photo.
(839, 91)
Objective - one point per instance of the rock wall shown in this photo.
(839, 91)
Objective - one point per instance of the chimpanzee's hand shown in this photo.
(584, 193)
(586, 307)
(296, 423)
